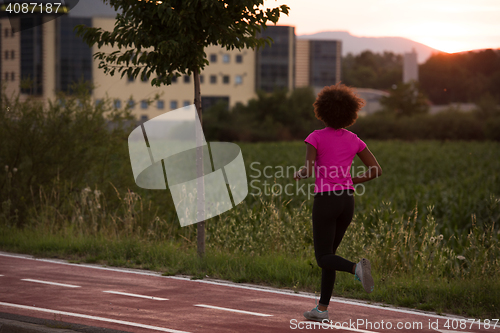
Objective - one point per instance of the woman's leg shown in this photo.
(332, 214)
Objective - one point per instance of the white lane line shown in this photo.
(52, 283)
(135, 295)
(315, 324)
(233, 310)
(79, 315)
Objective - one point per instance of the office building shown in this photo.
(318, 63)
(22, 55)
(229, 77)
(44, 59)
(275, 65)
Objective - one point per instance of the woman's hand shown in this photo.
(374, 169)
(298, 176)
(307, 171)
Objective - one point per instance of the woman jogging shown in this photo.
(330, 152)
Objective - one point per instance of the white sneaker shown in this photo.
(316, 315)
(364, 274)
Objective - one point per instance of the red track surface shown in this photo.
(180, 312)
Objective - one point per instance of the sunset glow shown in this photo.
(446, 45)
(446, 25)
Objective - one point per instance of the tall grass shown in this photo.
(456, 179)
(397, 243)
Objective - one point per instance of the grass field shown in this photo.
(430, 226)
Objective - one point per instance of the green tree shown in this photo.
(461, 77)
(405, 99)
(487, 106)
(275, 116)
(160, 39)
(372, 70)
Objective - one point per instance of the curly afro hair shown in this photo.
(337, 106)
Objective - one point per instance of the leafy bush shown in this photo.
(269, 117)
(372, 70)
(448, 125)
(405, 99)
(68, 141)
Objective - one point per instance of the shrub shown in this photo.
(65, 141)
(448, 125)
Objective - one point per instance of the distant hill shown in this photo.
(355, 45)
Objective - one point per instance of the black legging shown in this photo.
(332, 214)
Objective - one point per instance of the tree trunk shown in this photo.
(200, 235)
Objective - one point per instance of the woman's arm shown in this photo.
(307, 171)
(374, 169)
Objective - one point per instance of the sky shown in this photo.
(446, 25)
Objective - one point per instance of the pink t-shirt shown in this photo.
(335, 151)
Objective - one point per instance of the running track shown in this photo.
(142, 301)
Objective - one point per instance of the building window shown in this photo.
(187, 79)
(160, 104)
(144, 104)
(32, 55)
(12, 32)
(213, 79)
(118, 103)
(202, 79)
(12, 53)
(6, 33)
(75, 56)
(98, 102)
(225, 79)
(185, 103)
(239, 58)
(12, 76)
(145, 78)
(208, 101)
(144, 118)
(174, 79)
(238, 79)
(213, 57)
(6, 76)
(130, 78)
(173, 105)
(6, 54)
(225, 58)
(131, 103)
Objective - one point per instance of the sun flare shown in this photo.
(448, 46)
